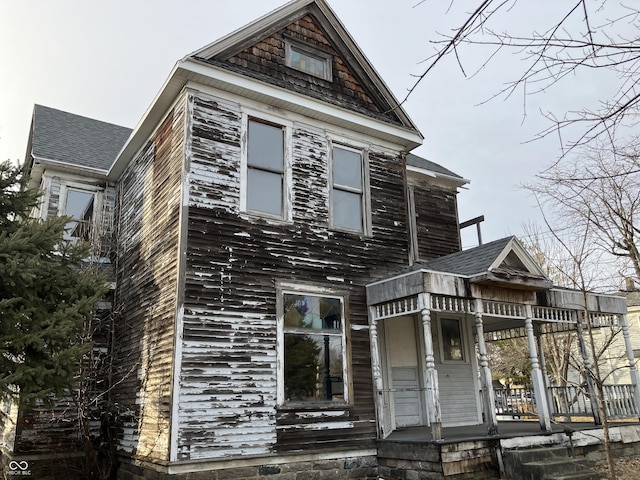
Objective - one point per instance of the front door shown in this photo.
(404, 371)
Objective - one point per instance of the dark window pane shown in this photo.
(451, 339)
(313, 367)
(266, 147)
(347, 168)
(264, 191)
(79, 205)
(347, 210)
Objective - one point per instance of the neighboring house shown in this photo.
(289, 285)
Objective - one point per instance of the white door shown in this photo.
(404, 371)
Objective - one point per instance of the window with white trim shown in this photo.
(79, 205)
(348, 200)
(265, 168)
(312, 347)
(308, 59)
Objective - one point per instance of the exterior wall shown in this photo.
(149, 199)
(228, 378)
(436, 221)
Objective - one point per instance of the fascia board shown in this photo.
(206, 74)
(246, 32)
(457, 181)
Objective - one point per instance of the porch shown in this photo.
(429, 327)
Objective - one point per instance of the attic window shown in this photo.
(308, 59)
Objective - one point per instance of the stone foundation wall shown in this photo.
(361, 468)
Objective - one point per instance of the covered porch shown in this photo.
(429, 326)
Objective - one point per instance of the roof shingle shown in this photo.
(75, 140)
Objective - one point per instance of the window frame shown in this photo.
(65, 187)
(365, 200)
(284, 288)
(286, 127)
(290, 45)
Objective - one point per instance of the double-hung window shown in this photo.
(312, 348)
(265, 168)
(348, 199)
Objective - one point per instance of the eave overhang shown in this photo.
(38, 165)
(195, 72)
(419, 174)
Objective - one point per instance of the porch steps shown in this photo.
(547, 463)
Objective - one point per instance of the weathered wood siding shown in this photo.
(266, 60)
(436, 221)
(228, 377)
(149, 200)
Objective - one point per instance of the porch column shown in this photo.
(536, 374)
(434, 416)
(633, 371)
(486, 383)
(377, 371)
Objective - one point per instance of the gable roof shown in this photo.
(64, 138)
(473, 261)
(331, 33)
(203, 68)
(503, 261)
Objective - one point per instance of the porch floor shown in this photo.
(506, 429)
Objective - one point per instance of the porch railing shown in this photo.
(570, 400)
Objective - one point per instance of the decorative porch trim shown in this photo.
(445, 303)
(395, 308)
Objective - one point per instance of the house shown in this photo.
(290, 297)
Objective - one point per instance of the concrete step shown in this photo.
(526, 455)
(547, 463)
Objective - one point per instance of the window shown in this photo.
(347, 192)
(265, 168)
(308, 59)
(313, 348)
(452, 345)
(79, 206)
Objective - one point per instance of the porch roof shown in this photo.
(502, 274)
(503, 263)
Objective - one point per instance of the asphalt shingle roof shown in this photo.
(76, 140)
(469, 262)
(419, 162)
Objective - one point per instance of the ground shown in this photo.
(627, 468)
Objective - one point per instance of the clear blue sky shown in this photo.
(107, 60)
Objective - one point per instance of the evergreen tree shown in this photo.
(47, 293)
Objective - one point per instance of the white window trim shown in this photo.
(283, 288)
(66, 185)
(287, 126)
(312, 51)
(365, 199)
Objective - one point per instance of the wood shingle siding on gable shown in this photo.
(228, 379)
(147, 270)
(266, 60)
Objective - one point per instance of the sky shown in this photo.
(107, 60)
